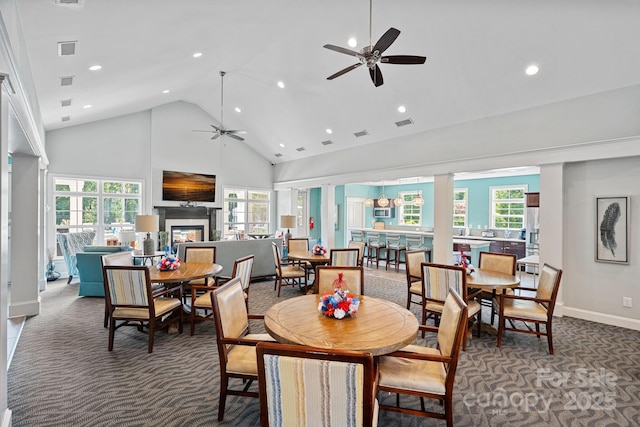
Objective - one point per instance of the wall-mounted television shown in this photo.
(188, 187)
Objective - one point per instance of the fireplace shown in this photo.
(186, 233)
(187, 224)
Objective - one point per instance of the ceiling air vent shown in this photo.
(66, 81)
(278, 154)
(404, 122)
(65, 102)
(66, 118)
(300, 149)
(66, 48)
(361, 133)
(327, 142)
(67, 1)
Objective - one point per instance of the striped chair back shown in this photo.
(242, 268)
(344, 257)
(360, 245)
(128, 285)
(438, 279)
(332, 387)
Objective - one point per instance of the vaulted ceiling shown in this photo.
(477, 53)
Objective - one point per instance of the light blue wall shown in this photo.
(478, 193)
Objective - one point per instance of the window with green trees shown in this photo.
(409, 213)
(245, 212)
(508, 207)
(460, 207)
(102, 205)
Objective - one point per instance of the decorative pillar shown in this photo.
(443, 219)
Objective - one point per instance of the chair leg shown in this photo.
(448, 410)
(549, 339)
(69, 279)
(500, 330)
(112, 331)
(224, 384)
(279, 285)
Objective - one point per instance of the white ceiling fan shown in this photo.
(219, 131)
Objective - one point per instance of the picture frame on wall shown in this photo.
(612, 229)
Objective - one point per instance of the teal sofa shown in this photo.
(90, 269)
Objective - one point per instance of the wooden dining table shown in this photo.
(494, 282)
(380, 326)
(185, 273)
(311, 258)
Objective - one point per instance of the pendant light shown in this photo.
(383, 202)
(368, 202)
(418, 201)
(399, 201)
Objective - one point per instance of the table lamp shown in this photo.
(288, 222)
(148, 224)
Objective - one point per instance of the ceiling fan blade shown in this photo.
(239, 138)
(217, 129)
(403, 59)
(386, 40)
(237, 132)
(346, 70)
(376, 76)
(342, 50)
(215, 135)
(198, 130)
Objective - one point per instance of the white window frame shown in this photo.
(238, 229)
(406, 203)
(465, 202)
(493, 202)
(99, 226)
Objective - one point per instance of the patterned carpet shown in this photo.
(63, 375)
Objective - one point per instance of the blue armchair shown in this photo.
(72, 243)
(90, 269)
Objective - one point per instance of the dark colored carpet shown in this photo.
(63, 375)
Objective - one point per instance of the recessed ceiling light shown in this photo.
(402, 109)
(329, 131)
(87, 106)
(166, 91)
(282, 145)
(238, 110)
(197, 54)
(95, 67)
(281, 85)
(352, 42)
(532, 70)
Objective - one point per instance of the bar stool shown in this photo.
(415, 243)
(396, 248)
(358, 236)
(375, 247)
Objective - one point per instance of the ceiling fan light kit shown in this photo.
(372, 55)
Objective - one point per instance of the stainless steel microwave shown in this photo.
(383, 212)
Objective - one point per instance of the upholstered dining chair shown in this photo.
(236, 344)
(131, 302)
(328, 276)
(428, 372)
(198, 254)
(287, 274)
(536, 309)
(413, 260)
(344, 257)
(116, 258)
(361, 246)
(301, 244)
(502, 263)
(437, 280)
(201, 295)
(347, 399)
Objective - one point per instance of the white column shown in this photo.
(551, 237)
(443, 219)
(42, 235)
(5, 412)
(25, 217)
(327, 213)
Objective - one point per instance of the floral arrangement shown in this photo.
(464, 262)
(339, 304)
(319, 250)
(169, 262)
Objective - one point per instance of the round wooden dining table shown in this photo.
(491, 281)
(379, 327)
(186, 272)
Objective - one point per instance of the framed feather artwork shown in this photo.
(612, 229)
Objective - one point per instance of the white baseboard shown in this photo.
(607, 319)
(6, 418)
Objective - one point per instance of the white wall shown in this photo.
(594, 290)
(142, 145)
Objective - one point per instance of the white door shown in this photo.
(355, 215)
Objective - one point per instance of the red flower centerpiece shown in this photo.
(169, 262)
(339, 304)
(464, 262)
(319, 250)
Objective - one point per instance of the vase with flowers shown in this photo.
(169, 262)
(341, 303)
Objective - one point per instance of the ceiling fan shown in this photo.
(219, 131)
(372, 55)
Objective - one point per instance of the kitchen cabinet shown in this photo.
(508, 247)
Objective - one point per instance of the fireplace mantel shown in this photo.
(188, 216)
